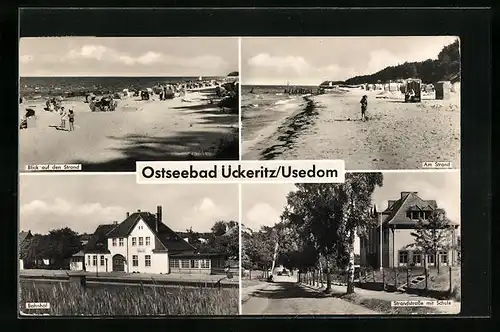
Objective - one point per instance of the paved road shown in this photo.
(285, 297)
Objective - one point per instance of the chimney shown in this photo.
(158, 217)
(115, 222)
(390, 203)
(128, 214)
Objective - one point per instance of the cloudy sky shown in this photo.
(126, 56)
(312, 60)
(262, 204)
(82, 202)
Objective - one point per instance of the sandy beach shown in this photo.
(397, 135)
(137, 130)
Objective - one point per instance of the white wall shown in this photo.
(403, 237)
(159, 261)
(98, 268)
(76, 266)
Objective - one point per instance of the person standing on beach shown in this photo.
(63, 118)
(71, 117)
(364, 106)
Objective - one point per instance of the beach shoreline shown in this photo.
(276, 131)
(397, 135)
(175, 129)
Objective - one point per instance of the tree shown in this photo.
(327, 217)
(62, 244)
(434, 235)
(193, 237)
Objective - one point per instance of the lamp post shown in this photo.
(381, 241)
(96, 269)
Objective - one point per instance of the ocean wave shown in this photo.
(281, 102)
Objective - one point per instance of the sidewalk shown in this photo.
(388, 296)
(246, 292)
(34, 273)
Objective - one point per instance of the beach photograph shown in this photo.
(327, 249)
(102, 245)
(105, 103)
(375, 102)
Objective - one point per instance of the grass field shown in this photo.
(113, 300)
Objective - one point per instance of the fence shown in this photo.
(415, 280)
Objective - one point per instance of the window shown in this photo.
(417, 258)
(431, 259)
(94, 260)
(121, 242)
(185, 264)
(409, 215)
(88, 260)
(174, 263)
(134, 241)
(148, 240)
(114, 242)
(403, 257)
(148, 260)
(135, 260)
(102, 260)
(194, 264)
(205, 263)
(141, 241)
(443, 257)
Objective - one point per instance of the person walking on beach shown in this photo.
(364, 106)
(71, 117)
(63, 118)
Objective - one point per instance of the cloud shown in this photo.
(380, 59)
(261, 214)
(204, 215)
(266, 65)
(46, 215)
(109, 55)
(281, 64)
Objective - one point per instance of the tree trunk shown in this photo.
(350, 269)
(328, 279)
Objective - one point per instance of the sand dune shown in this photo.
(397, 135)
(136, 131)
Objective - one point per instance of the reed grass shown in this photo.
(73, 300)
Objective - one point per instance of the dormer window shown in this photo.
(417, 215)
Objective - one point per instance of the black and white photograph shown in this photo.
(107, 102)
(376, 102)
(356, 248)
(102, 245)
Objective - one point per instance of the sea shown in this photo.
(41, 87)
(263, 104)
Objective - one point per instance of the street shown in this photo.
(286, 297)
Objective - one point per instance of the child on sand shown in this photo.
(63, 118)
(71, 117)
(364, 105)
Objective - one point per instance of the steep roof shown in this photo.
(98, 243)
(168, 238)
(24, 236)
(395, 214)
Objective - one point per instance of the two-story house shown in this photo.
(395, 245)
(142, 243)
